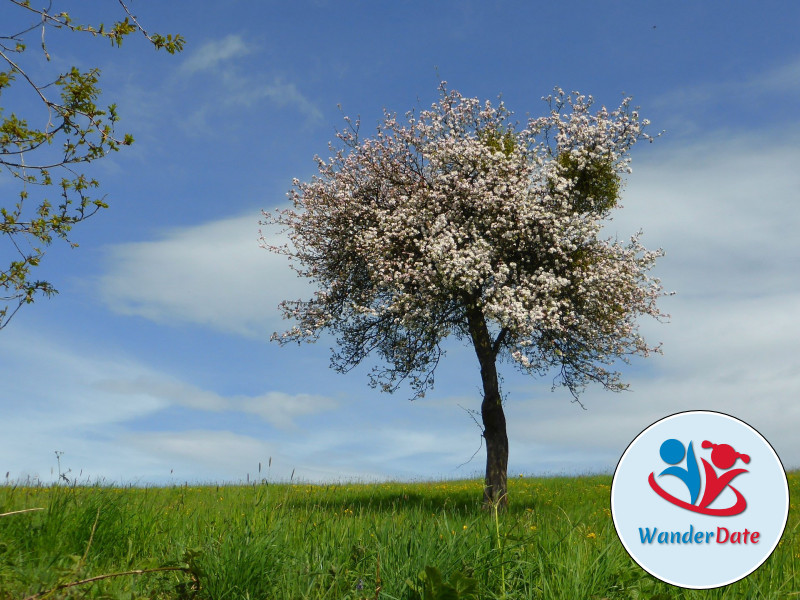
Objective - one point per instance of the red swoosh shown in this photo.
(737, 508)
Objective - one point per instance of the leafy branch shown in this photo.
(71, 130)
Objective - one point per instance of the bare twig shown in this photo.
(16, 512)
(108, 576)
(378, 585)
(471, 413)
(91, 539)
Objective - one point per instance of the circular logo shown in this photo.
(699, 499)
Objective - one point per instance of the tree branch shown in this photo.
(110, 576)
(499, 341)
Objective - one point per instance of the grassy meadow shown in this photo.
(344, 541)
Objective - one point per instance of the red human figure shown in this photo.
(724, 457)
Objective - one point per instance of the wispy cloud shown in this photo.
(724, 209)
(783, 78)
(765, 91)
(225, 456)
(100, 410)
(248, 91)
(276, 408)
(282, 94)
(213, 274)
(215, 52)
(240, 85)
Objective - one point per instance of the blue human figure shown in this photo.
(672, 452)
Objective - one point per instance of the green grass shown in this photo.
(338, 542)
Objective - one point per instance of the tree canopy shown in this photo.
(460, 222)
(53, 128)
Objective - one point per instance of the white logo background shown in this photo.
(635, 505)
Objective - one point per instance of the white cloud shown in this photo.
(281, 409)
(101, 410)
(772, 90)
(754, 388)
(48, 404)
(40, 378)
(282, 94)
(238, 86)
(213, 53)
(724, 209)
(781, 79)
(217, 451)
(238, 90)
(224, 456)
(277, 408)
(213, 274)
(165, 391)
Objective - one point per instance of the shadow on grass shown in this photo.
(428, 501)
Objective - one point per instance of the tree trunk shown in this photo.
(495, 489)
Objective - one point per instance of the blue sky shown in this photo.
(153, 364)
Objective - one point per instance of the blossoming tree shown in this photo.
(459, 222)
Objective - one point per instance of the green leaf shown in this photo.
(431, 586)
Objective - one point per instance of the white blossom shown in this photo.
(458, 209)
